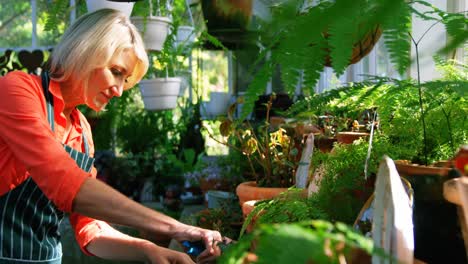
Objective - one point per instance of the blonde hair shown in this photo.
(90, 43)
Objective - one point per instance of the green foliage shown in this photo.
(331, 29)
(55, 16)
(339, 175)
(159, 8)
(397, 103)
(15, 26)
(289, 207)
(317, 241)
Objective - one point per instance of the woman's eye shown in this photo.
(119, 74)
(116, 72)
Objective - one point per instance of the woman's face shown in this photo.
(107, 82)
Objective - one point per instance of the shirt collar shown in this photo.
(59, 105)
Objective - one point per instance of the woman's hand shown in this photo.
(209, 237)
(161, 255)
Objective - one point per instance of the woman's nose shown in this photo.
(117, 90)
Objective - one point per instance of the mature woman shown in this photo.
(46, 150)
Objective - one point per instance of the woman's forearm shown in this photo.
(97, 200)
(115, 245)
(100, 201)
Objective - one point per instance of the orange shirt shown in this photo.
(28, 147)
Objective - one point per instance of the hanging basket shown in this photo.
(125, 7)
(228, 21)
(154, 30)
(218, 105)
(362, 47)
(185, 35)
(160, 93)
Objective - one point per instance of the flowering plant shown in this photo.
(273, 153)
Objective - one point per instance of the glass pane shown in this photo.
(15, 23)
(59, 23)
(209, 72)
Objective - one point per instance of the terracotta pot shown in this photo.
(248, 191)
(349, 136)
(247, 208)
(324, 144)
(405, 168)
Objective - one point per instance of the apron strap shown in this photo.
(50, 106)
(49, 98)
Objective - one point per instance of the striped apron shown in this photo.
(29, 221)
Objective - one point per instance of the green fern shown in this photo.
(397, 27)
(260, 80)
(343, 33)
(330, 28)
(457, 27)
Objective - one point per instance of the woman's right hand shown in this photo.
(161, 255)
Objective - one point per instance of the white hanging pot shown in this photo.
(154, 30)
(218, 104)
(160, 93)
(185, 35)
(125, 7)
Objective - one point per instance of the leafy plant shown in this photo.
(331, 28)
(272, 153)
(340, 176)
(315, 241)
(288, 207)
(397, 103)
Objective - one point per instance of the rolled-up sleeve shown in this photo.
(25, 130)
(87, 229)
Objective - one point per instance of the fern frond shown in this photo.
(460, 86)
(213, 40)
(256, 88)
(457, 28)
(343, 33)
(397, 25)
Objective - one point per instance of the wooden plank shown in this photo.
(392, 227)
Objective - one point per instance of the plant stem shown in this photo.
(267, 139)
(421, 107)
(449, 128)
